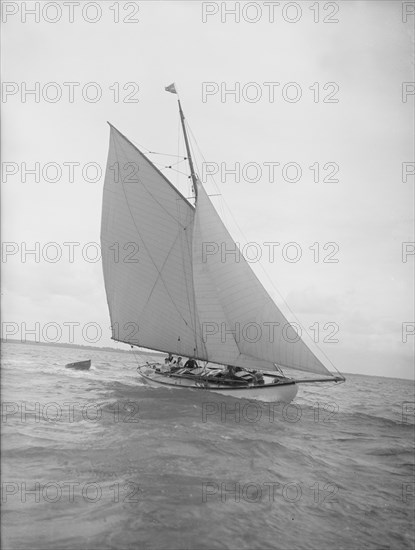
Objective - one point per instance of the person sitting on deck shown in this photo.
(258, 378)
(229, 372)
(166, 366)
(191, 364)
(177, 365)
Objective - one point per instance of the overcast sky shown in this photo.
(366, 130)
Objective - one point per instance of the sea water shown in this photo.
(98, 460)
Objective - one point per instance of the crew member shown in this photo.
(191, 364)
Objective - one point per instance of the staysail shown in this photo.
(167, 286)
(243, 313)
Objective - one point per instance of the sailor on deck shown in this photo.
(230, 371)
(166, 366)
(191, 364)
(176, 365)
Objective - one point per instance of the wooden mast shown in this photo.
(194, 181)
(189, 156)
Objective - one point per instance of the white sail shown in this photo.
(165, 288)
(146, 240)
(230, 298)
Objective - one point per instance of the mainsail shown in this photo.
(146, 241)
(178, 293)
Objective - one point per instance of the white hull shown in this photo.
(283, 392)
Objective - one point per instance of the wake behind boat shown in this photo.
(173, 291)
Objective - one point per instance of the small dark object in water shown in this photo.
(80, 365)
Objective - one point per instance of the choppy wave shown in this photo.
(97, 459)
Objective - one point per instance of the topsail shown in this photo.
(168, 288)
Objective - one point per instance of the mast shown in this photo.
(189, 156)
(194, 181)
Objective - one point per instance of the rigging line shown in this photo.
(171, 166)
(175, 163)
(178, 148)
(221, 203)
(151, 195)
(262, 267)
(175, 170)
(167, 165)
(198, 148)
(138, 145)
(163, 168)
(167, 155)
(152, 165)
(218, 194)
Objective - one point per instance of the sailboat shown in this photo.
(168, 291)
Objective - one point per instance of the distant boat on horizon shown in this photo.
(167, 294)
(80, 365)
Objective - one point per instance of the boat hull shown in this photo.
(282, 392)
(80, 365)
